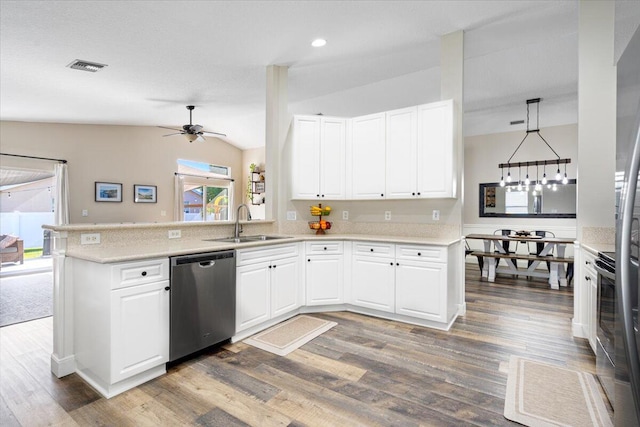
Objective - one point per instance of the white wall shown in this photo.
(257, 156)
(122, 154)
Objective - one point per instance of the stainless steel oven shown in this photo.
(606, 313)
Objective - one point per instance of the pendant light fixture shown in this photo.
(557, 161)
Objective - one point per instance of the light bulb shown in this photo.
(558, 176)
(519, 186)
(535, 193)
(508, 176)
(538, 187)
(548, 185)
(565, 179)
(554, 187)
(502, 181)
(544, 179)
(527, 181)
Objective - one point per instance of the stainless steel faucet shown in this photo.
(238, 229)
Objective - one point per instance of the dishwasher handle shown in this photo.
(203, 259)
(206, 264)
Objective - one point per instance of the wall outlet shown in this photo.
(89, 238)
(85, 212)
(345, 215)
(436, 215)
(175, 234)
(291, 215)
(387, 215)
(163, 213)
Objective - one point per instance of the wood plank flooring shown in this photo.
(363, 372)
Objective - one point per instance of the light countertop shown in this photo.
(165, 248)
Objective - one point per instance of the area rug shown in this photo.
(539, 394)
(25, 297)
(285, 337)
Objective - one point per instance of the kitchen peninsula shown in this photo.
(416, 280)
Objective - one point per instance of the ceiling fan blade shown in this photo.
(201, 137)
(195, 128)
(164, 127)
(171, 134)
(214, 133)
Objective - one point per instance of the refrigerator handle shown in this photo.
(624, 288)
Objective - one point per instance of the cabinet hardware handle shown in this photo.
(325, 248)
(308, 260)
(381, 195)
(166, 288)
(371, 249)
(391, 263)
(419, 254)
(413, 194)
(588, 262)
(397, 263)
(144, 273)
(317, 195)
(270, 267)
(418, 193)
(274, 266)
(587, 278)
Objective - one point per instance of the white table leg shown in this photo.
(553, 276)
(485, 267)
(562, 274)
(492, 268)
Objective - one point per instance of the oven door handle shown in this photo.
(605, 273)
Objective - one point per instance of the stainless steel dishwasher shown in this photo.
(203, 301)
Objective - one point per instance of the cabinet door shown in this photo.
(435, 150)
(252, 295)
(368, 157)
(592, 319)
(285, 286)
(421, 290)
(324, 279)
(139, 329)
(333, 134)
(305, 158)
(401, 165)
(373, 283)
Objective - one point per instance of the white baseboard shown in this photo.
(63, 367)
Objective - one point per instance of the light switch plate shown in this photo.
(436, 215)
(175, 234)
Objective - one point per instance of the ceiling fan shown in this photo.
(191, 131)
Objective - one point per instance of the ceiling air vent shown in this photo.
(516, 122)
(92, 67)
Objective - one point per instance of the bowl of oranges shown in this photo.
(320, 226)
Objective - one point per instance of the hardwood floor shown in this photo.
(365, 371)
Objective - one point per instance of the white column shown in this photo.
(62, 358)
(277, 124)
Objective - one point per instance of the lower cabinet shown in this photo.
(421, 290)
(373, 283)
(121, 322)
(324, 273)
(268, 284)
(589, 283)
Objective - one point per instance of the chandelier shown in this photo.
(524, 184)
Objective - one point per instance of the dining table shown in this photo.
(553, 253)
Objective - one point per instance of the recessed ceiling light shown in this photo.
(318, 42)
(92, 67)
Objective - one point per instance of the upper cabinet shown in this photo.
(368, 157)
(400, 154)
(436, 161)
(318, 158)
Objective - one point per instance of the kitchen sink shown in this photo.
(245, 239)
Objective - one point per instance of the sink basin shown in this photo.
(244, 239)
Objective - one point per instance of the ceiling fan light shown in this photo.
(191, 136)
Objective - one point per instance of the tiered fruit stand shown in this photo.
(320, 225)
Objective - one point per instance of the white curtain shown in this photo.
(61, 207)
(178, 198)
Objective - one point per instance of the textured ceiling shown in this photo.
(164, 55)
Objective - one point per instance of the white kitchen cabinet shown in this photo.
(589, 283)
(368, 152)
(421, 290)
(401, 154)
(121, 322)
(435, 153)
(139, 329)
(267, 284)
(324, 273)
(373, 283)
(318, 158)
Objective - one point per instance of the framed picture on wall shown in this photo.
(108, 192)
(145, 193)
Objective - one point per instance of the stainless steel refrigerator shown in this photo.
(627, 338)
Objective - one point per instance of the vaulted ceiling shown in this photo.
(164, 55)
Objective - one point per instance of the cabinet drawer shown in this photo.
(314, 248)
(373, 249)
(265, 253)
(588, 262)
(137, 273)
(421, 253)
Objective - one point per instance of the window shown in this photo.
(206, 191)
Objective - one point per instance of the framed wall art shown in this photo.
(145, 193)
(108, 192)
